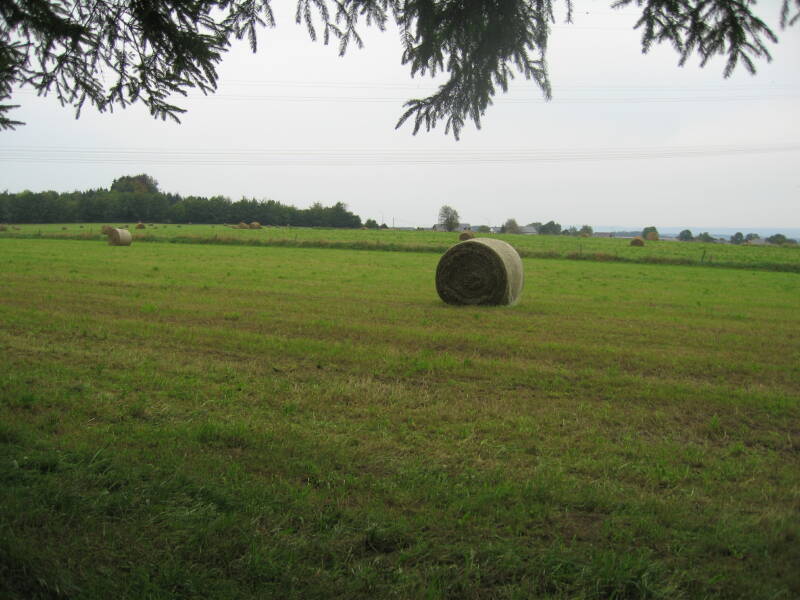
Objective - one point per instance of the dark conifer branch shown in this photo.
(112, 53)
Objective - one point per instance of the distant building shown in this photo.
(459, 227)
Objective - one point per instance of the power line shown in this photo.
(367, 157)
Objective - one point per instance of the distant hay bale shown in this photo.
(3, 227)
(119, 237)
(242, 225)
(637, 241)
(480, 271)
(140, 225)
(63, 229)
(255, 225)
(652, 236)
(466, 235)
(106, 229)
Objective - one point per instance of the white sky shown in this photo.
(629, 139)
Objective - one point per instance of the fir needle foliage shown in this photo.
(112, 53)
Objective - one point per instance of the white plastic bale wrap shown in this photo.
(481, 271)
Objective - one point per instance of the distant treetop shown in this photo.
(135, 183)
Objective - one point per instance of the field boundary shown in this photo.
(424, 248)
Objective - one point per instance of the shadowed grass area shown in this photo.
(249, 422)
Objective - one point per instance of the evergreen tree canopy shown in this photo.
(137, 199)
(111, 53)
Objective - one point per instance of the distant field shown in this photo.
(532, 246)
(223, 421)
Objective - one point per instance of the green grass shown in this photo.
(774, 258)
(214, 421)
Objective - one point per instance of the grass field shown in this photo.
(226, 421)
(530, 246)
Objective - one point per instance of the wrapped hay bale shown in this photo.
(119, 237)
(637, 241)
(255, 225)
(480, 271)
(466, 235)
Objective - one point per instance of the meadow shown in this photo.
(775, 258)
(201, 420)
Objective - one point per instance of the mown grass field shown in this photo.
(222, 421)
(531, 246)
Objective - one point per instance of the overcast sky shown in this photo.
(629, 140)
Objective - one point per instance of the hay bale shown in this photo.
(106, 229)
(652, 236)
(3, 227)
(242, 225)
(480, 271)
(140, 225)
(637, 241)
(119, 237)
(63, 229)
(466, 235)
(255, 225)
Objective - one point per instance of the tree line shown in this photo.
(137, 198)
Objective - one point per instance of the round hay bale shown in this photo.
(481, 271)
(119, 237)
(106, 229)
(466, 235)
(255, 225)
(3, 227)
(637, 241)
(652, 236)
(140, 225)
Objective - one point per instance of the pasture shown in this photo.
(231, 421)
(529, 246)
